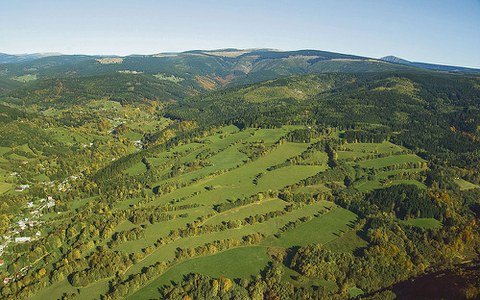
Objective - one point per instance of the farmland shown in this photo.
(214, 173)
(310, 186)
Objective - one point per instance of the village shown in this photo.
(25, 227)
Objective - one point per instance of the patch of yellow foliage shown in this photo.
(206, 83)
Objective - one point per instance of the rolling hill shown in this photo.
(428, 66)
(205, 70)
(234, 174)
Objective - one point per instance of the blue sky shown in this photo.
(437, 31)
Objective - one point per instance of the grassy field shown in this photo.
(321, 229)
(394, 156)
(359, 150)
(426, 223)
(137, 169)
(386, 174)
(313, 189)
(267, 228)
(5, 187)
(248, 210)
(242, 262)
(466, 185)
(347, 243)
(215, 171)
(375, 184)
(238, 183)
(318, 157)
(390, 160)
(25, 78)
(54, 291)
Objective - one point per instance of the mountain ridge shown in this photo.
(429, 66)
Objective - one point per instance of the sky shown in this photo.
(436, 31)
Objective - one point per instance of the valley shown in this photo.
(201, 181)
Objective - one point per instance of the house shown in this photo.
(22, 225)
(2, 262)
(49, 198)
(22, 187)
(51, 203)
(22, 239)
(7, 280)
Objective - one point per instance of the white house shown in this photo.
(22, 239)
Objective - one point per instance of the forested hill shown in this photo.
(234, 174)
(204, 70)
(119, 87)
(431, 112)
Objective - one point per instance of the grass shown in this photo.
(318, 157)
(229, 158)
(313, 189)
(166, 77)
(268, 136)
(242, 262)
(267, 228)
(359, 150)
(238, 183)
(279, 178)
(347, 243)
(25, 78)
(263, 94)
(248, 210)
(93, 291)
(77, 203)
(54, 291)
(386, 174)
(42, 178)
(333, 227)
(426, 223)
(134, 136)
(5, 187)
(378, 163)
(68, 137)
(375, 184)
(154, 231)
(355, 292)
(298, 90)
(321, 229)
(299, 280)
(4, 150)
(137, 169)
(466, 185)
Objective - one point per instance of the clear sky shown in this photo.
(437, 31)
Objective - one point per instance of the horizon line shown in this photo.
(54, 53)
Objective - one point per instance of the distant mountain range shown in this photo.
(428, 66)
(259, 53)
(11, 58)
(200, 70)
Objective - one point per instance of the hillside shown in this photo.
(427, 66)
(205, 70)
(234, 174)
